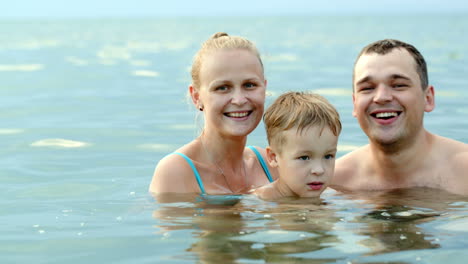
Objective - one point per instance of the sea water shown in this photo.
(88, 107)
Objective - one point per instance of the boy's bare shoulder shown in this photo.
(266, 192)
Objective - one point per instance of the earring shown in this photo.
(200, 108)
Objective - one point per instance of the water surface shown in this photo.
(88, 107)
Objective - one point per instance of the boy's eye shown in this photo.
(329, 156)
(304, 157)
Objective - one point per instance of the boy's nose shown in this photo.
(317, 168)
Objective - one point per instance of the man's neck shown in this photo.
(398, 163)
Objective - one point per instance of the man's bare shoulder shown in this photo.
(450, 144)
(349, 161)
(454, 152)
(350, 166)
(453, 157)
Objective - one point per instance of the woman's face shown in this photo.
(232, 91)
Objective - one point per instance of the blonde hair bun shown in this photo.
(219, 34)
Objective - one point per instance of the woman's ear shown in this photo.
(271, 157)
(195, 95)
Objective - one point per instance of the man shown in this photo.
(390, 95)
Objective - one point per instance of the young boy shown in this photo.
(302, 130)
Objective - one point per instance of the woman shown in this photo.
(228, 86)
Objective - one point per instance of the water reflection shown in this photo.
(249, 229)
(339, 227)
(395, 219)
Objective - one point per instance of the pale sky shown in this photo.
(155, 8)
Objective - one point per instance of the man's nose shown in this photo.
(383, 94)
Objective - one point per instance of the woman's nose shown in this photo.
(239, 97)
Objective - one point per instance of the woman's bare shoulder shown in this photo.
(172, 174)
(249, 154)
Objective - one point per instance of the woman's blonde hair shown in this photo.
(216, 42)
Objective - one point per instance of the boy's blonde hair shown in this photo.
(219, 41)
(300, 110)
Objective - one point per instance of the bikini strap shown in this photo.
(195, 171)
(262, 162)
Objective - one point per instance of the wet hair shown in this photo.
(385, 46)
(299, 110)
(219, 41)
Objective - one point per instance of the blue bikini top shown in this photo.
(197, 175)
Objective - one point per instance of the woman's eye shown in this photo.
(222, 88)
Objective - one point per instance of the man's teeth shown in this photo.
(386, 114)
(238, 114)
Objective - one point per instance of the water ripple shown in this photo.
(21, 67)
(59, 142)
(10, 131)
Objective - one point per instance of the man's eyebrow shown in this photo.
(399, 76)
(392, 77)
(363, 80)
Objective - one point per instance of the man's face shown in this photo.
(388, 99)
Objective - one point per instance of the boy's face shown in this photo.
(307, 160)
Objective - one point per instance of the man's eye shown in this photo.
(400, 85)
(365, 88)
(250, 85)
